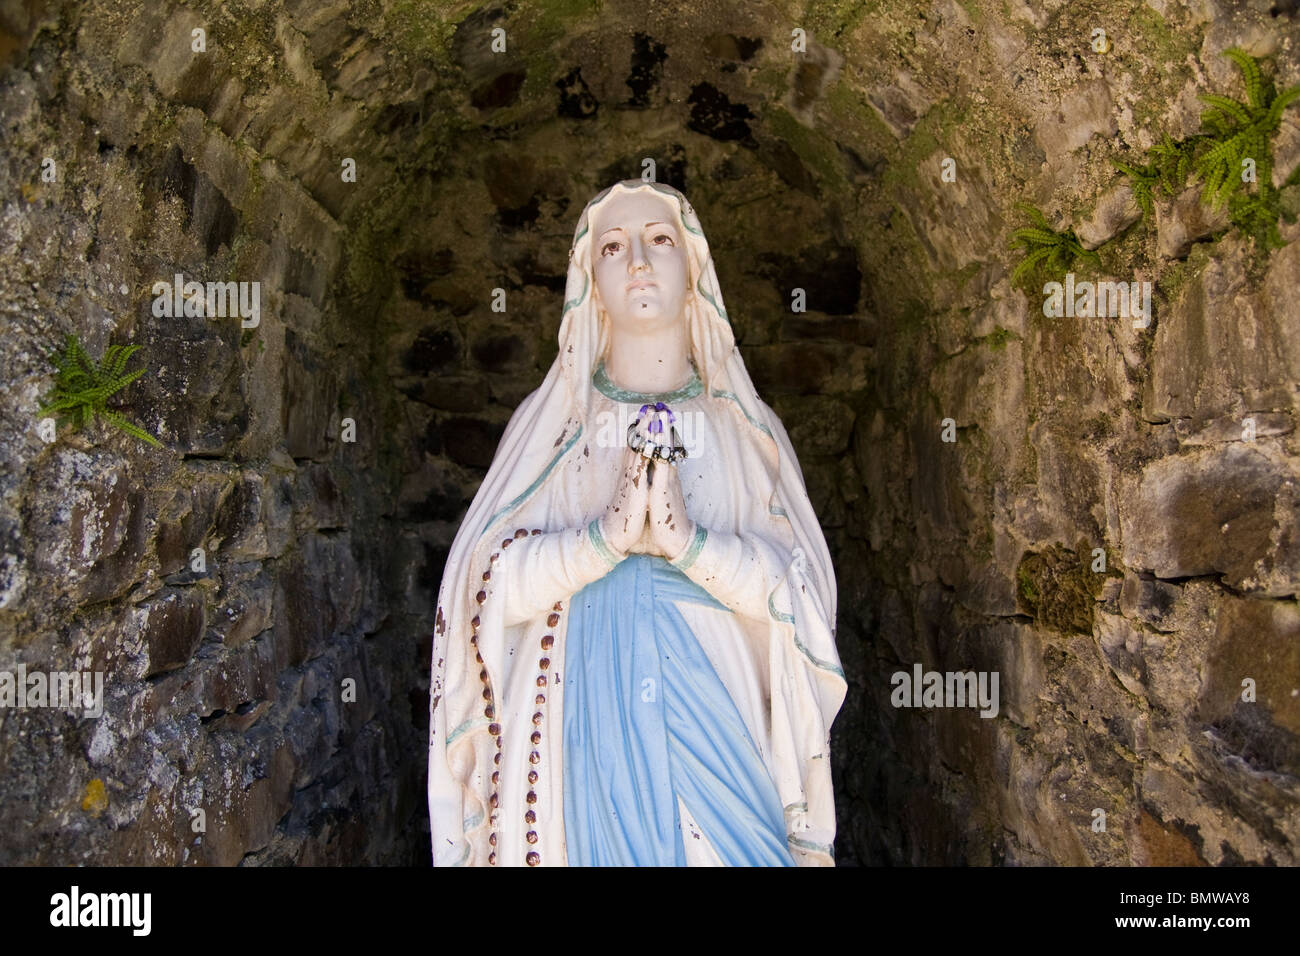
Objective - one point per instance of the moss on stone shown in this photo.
(536, 41)
(554, 18)
(1026, 589)
(1097, 427)
(814, 148)
(771, 79)
(1059, 589)
(903, 267)
(998, 338)
(832, 19)
(423, 28)
(1027, 473)
(1159, 41)
(1290, 201)
(244, 38)
(1176, 275)
(1129, 252)
(1148, 37)
(904, 168)
(852, 116)
(926, 138)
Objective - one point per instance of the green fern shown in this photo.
(1047, 251)
(1144, 180)
(82, 387)
(1256, 214)
(1239, 131)
(1168, 165)
(1175, 160)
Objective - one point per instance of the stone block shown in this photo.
(173, 629)
(1229, 509)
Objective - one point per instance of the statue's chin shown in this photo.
(643, 321)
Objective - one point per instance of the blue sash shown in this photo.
(646, 720)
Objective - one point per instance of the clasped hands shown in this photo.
(637, 501)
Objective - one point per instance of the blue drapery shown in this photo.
(646, 719)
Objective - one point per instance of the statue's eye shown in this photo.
(663, 235)
(607, 245)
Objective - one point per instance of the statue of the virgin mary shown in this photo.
(634, 659)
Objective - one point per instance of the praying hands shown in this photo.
(640, 498)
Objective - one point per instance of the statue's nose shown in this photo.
(638, 259)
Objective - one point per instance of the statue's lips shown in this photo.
(640, 284)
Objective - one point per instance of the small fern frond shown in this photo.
(1250, 74)
(1029, 262)
(1228, 106)
(1281, 102)
(130, 427)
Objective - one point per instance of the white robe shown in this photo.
(763, 557)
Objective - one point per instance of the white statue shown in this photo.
(634, 659)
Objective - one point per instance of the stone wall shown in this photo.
(970, 457)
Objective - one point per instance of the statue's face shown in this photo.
(639, 257)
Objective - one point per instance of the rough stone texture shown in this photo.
(322, 460)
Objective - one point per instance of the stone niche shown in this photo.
(1105, 516)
